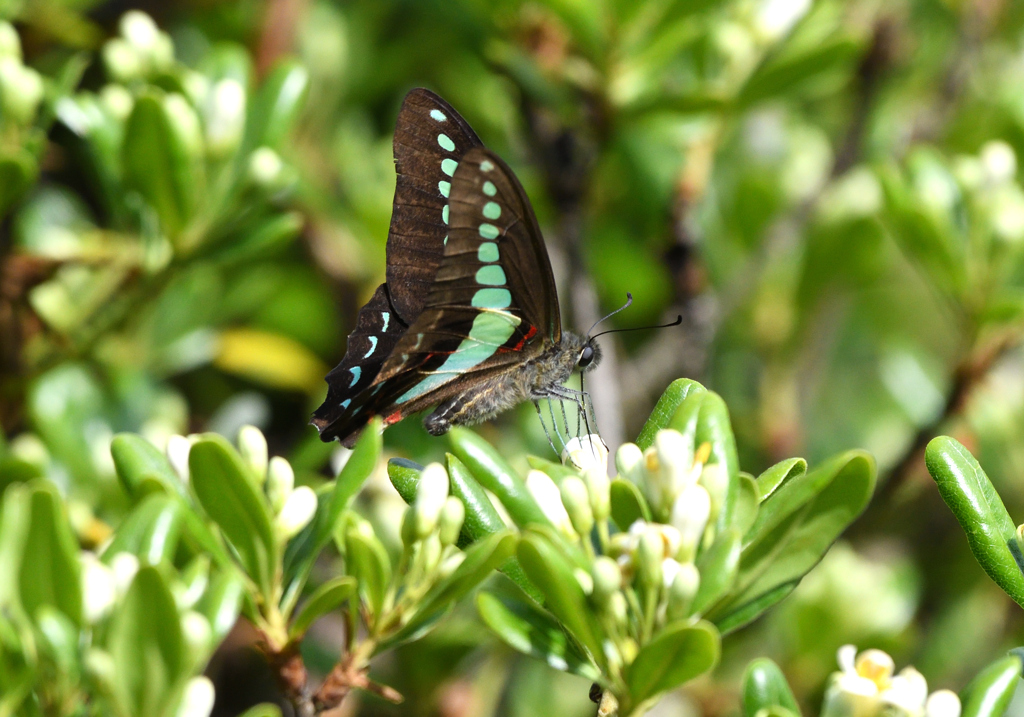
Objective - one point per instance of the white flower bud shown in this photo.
(21, 91)
(607, 579)
(999, 161)
(99, 589)
(252, 445)
(124, 566)
(906, 694)
(198, 698)
(942, 703)
(431, 495)
(122, 61)
(846, 657)
(715, 480)
(10, 44)
(548, 497)
(629, 461)
(690, 514)
(265, 167)
(675, 457)
(682, 590)
(450, 522)
(650, 551)
(669, 569)
(196, 630)
(618, 608)
(672, 537)
(118, 101)
(576, 500)
(298, 510)
(280, 482)
(178, 448)
(450, 564)
(225, 118)
(599, 492)
(586, 452)
(139, 30)
(30, 448)
(185, 123)
(585, 581)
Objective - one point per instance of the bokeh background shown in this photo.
(828, 192)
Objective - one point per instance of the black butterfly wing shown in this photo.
(430, 140)
(492, 303)
(377, 332)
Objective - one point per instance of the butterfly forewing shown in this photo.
(430, 140)
(492, 301)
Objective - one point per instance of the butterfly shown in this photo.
(467, 320)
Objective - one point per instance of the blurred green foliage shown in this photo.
(828, 191)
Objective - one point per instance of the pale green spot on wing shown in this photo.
(489, 189)
(492, 299)
(356, 372)
(487, 165)
(488, 251)
(492, 210)
(489, 231)
(446, 142)
(444, 213)
(491, 275)
(448, 166)
(438, 115)
(445, 187)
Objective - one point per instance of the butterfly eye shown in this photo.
(586, 356)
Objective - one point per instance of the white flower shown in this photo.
(252, 444)
(99, 588)
(675, 458)
(280, 482)
(548, 497)
(942, 703)
(450, 522)
(124, 565)
(265, 167)
(586, 453)
(999, 161)
(776, 17)
(298, 510)
(906, 693)
(178, 448)
(21, 90)
(690, 513)
(225, 117)
(629, 461)
(431, 495)
(576, 500)
(850, 695)
(117, 100)
(198, 698)
(196, 630)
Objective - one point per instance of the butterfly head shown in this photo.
(589, 356)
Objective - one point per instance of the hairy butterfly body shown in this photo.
(468, 318)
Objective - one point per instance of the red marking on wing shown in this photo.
(529, 335)
(393, 418)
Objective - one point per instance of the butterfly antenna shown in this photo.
(679, 320)
(629, 301)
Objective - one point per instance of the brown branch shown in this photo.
(347, 675)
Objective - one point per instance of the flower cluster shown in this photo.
(21, 87)
(865, 686)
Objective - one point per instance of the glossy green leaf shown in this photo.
(678, 654)
(990, 692)
(798, 523)
(627, 503)
(159, 163)
(747, 500)
(765, 686)
(17, 173)
(49, 571)
(532, 632)
(739, 615)
(787, 72)
(147, 647)
(769, 481)
(367, 561)
(222, 601)
(405, 477)
(141, 467)
(60, 640)
(714, 427)
(497, 476)
(666, 408)
(275, 106)
(228, 496)
(150, 531)
(262, 710)
(718, 566)
(326, 598)
(553, 575)
(977, 506)
(262, 242)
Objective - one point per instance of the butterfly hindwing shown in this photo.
(430, 140)
(377, 332)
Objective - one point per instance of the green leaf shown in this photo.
(263, 710)
(49, 571)
(228, 496)
(747, 499)
(678, 654)
(275, 106)
(532, 632)
(262, 242)
(141, 467)
(159, 162)
(773, 477)
(222, 601)
(405, 477)
(765, 686)
(666, 408)
(552, 573)
(786, 72)
(497, 476)
(628, 504)
(977, 506)
(796, 525)
(60, 640)
(479, 563)
(147, 647)
(990, 692)
(555, 471)
(713, 427)
(718, 566)
(150, 531)
(738, 616)
(18, 171)
(327, 598)
(367, 561)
